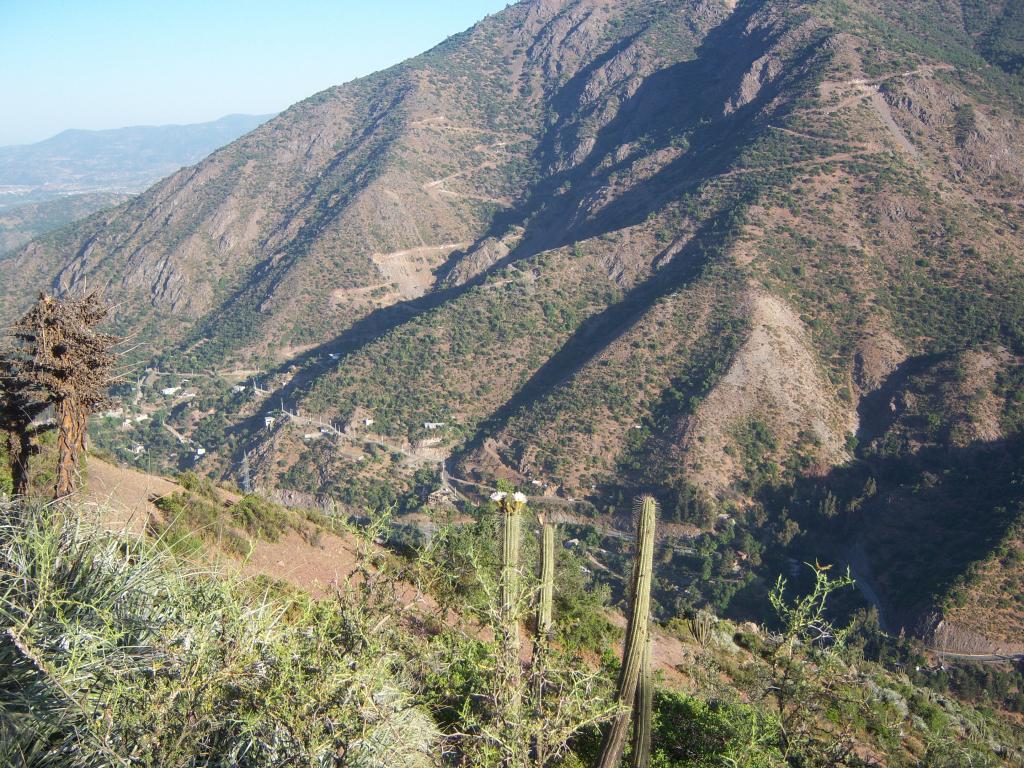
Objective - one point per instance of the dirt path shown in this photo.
(839, 157)
(864, 87)
(314, 568)
(502, 201)
(122, 496)
(411, 457)
(458, 174)
(409, 270)
(812, 137)
(869, 90)
(177, 435)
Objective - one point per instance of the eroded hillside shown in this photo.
(702, 247)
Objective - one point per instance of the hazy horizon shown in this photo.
(266, 115)
(118, 64)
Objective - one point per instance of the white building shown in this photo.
(432, 425)
(169, 391)
(268, 421)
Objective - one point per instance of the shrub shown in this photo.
(261, 517)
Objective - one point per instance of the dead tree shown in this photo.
(20, 405)
(58, 351)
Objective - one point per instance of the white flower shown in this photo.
(520, 497)
(498, 495)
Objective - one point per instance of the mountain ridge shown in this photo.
(118, 159)
(668, 245)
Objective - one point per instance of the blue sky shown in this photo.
(113, 63)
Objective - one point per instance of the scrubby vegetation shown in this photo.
(116, 651)
(114, 654)
(588, 207)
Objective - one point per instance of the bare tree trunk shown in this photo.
(19, 448)
(83, 430)
(69, 440)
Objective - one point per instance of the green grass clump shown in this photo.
(196, 517)
(260, 517)
(198, 484)
(190, 520)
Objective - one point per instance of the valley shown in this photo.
(716, 247)
(762, 260)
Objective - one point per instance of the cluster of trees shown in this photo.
(56, 358)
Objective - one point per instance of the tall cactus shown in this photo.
(614, 741)
(508, 693)
(542, 639)
(643, 708)
(547, 580)
(511, 519)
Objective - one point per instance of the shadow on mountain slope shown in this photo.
(671, 105)
(920, 523)
(874, 412)
(599, 331)
(680, 105)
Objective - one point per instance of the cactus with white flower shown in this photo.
(508, 694)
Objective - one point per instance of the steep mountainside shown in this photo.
(750, 255)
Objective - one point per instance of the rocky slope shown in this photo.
(706, 247)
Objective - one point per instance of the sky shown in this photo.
(114, 63)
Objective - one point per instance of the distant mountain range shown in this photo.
(117, 160)
(763, 258)
(47, 185)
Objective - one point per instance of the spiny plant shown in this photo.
(547, 580)
(508, 691)
(635, 651)
(542, 637)
(700, 626)
(643, 711)
(21, 403)
(808, 676)
(536, 707)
